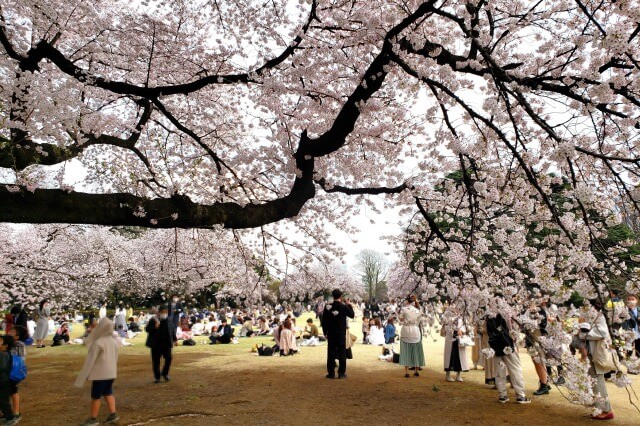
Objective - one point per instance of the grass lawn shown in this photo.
(227, 384)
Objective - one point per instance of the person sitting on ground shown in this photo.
(287, 344)
(247, 328)
(389, 332)
(181, 334)
(133, 325)
(224, 334)
(198, 328)
(311, 330)
(184, 324)
(376, 333)
(263, 327)
(62, 335)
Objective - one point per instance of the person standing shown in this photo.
(411, 351)
(101, 368)
(102, 313)
(389, 332)
(42, 326)
(120, 317)
(334, 327)
(455, 356)
(598, 334)
(633, 324)
(175, 309)
(501, 342)
(161, 338)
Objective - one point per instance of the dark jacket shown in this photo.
(228, 330)
(175, 309)
(5, 366)
(163, 336)
(334, 321)
(499, 336)
(632, 322)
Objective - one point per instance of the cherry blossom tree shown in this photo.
(319, 279)
(82, 266)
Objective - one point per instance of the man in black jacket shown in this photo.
(161, 339)
(334, 327)
(223, 335)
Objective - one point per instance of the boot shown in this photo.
(542, 390)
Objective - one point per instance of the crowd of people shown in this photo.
(490, 342)
(493, 343)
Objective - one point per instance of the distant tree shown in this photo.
(373, 268)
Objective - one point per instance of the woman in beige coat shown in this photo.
(101, 368)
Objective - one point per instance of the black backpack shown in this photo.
(265, 351)
(498, 333)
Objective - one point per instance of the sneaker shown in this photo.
(90, 422)
(503, 399)
(523, 400)
(166, 378)
(342, 376)
(13, 421)
(330, 376)
(112, 418)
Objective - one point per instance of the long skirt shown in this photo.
(455, 363)
(411, 354)
(42, 329)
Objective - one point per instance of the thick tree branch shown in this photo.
(328, 188)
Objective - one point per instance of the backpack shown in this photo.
(18, 369)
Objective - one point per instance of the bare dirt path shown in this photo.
(226, 384)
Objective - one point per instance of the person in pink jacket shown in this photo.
(101, 368)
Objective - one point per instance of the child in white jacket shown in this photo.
(101, 368)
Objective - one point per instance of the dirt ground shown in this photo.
(226, 384)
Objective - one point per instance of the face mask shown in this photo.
(163, 316)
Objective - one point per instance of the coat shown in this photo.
(287, 341)
(462, 350)
(102, 358)
(161, 337)
(599, 331)
(334, 321)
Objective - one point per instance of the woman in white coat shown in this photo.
(598, 334)
(101, 368)
(455, 356)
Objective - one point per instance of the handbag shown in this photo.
(603, 357)
(466, 340)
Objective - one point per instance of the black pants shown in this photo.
(5, 400)
(339, 352)
(156, 354)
